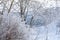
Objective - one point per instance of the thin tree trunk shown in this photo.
(23, 7)
(3, 9)
(25, 14)
(31, 21)
(10, 6)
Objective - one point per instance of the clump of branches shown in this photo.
(9, 29)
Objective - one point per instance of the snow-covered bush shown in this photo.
(11, 28)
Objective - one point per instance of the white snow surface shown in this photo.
(34, 33)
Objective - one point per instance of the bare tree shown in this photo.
(4, 5)
(10, 6)
(23, 7)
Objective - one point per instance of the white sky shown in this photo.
(49, 3)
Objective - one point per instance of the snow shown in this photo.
(24, 31)
(31, 33)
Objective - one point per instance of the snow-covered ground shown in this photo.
(37, 33)
(34, 33)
